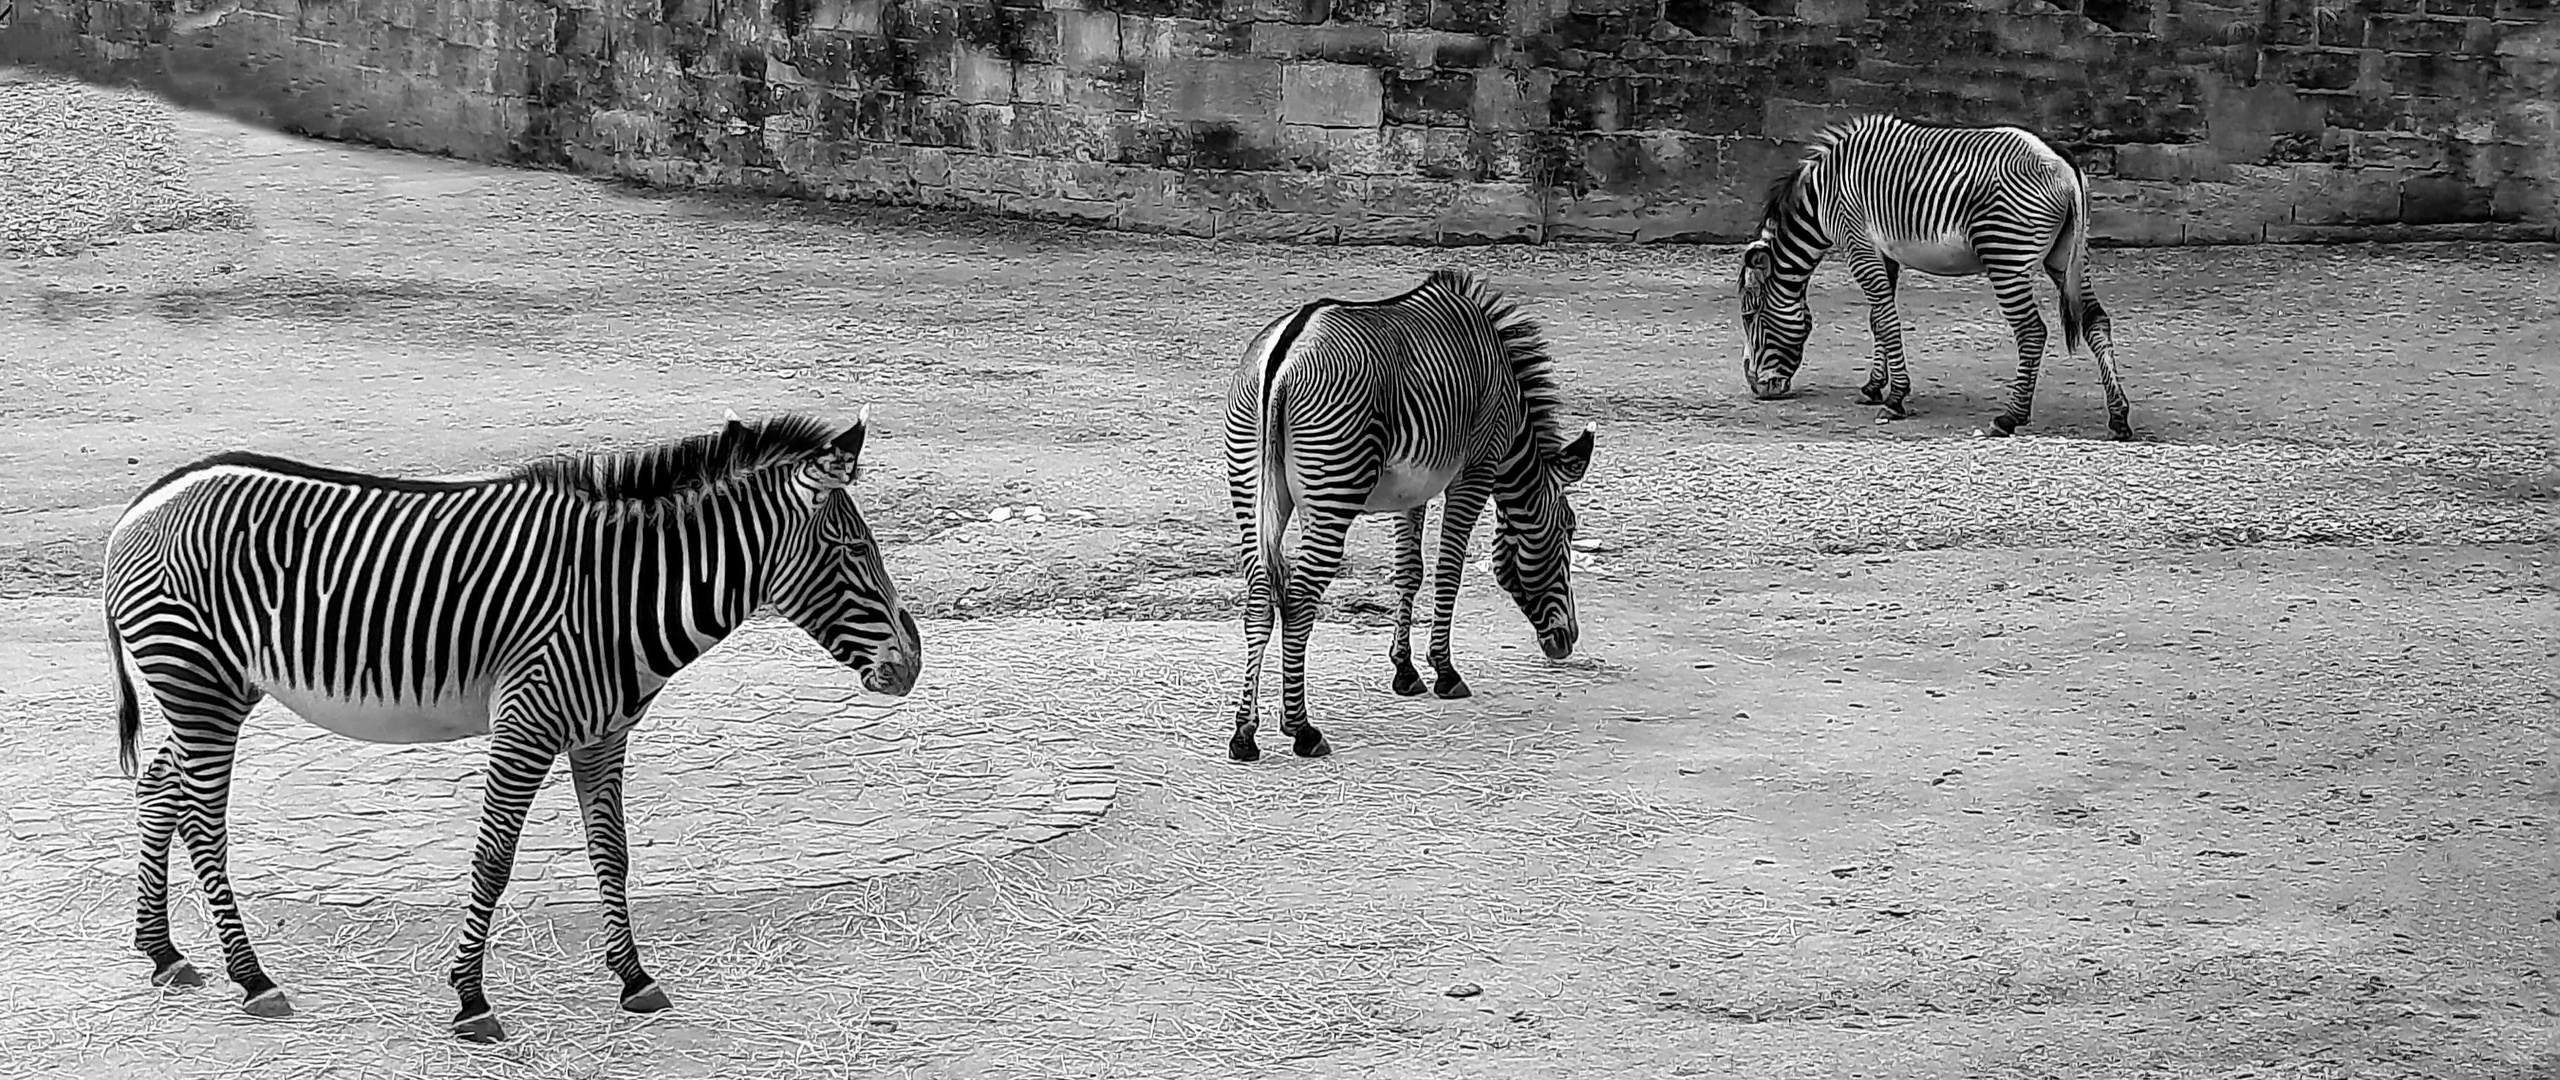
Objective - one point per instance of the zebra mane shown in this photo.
(1524, 344)
(677, 469)
(1827, 139)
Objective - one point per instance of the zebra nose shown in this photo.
(1557, 644)
(1771, 389)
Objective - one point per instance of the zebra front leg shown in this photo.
(517, 765)
(1408, 582)
(204, 730)
(2016, 289)
(596, 771)
(1323, 531)
(161, 799)
(1459, 510)
(1880, 369)
(1258, 603)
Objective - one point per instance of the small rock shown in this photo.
(1001, 513)
(1844, 870)
(1464, 990)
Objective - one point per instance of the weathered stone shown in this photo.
(1331, 95)
(1332, 41)
(1226, 89)
(1088, 40)
(1651, 120)
(2178, 162)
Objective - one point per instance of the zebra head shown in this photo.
(1775, 323)
(831, 583)
(1533, 546)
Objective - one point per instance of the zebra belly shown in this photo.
(1403, 485)
(459, 716)
(1946, 255)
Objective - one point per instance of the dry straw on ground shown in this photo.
(80, 166)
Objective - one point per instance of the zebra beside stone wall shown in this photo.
(545, 607)
(1944, 200)
(1343, 408)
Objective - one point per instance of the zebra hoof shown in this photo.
(1871, 397)
(1242, 748)
(270, 1005)
(1891, 412)
(1451, 687)
(1311, 744)
(647, 999)
(2003, 427)
(177, 975)
(1408, 681)
(2121, 430)
(482, 1029)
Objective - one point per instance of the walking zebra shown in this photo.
(545, 607)
(1343, 408)
(1944, 200)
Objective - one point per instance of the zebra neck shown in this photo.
(672, 585)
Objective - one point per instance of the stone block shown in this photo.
(1236, 88)
(1440, 48)
(1343, 44)
(1493, 214)
(1339, 151)
(2434, 200)
(980, 78)
(2329, 195)
(2415, 33)
(1289, 11)
(1331, 95)
(2380, 149)
(1040, 84)
(1438, 98)
(1104, 95)
(1088, 40)
(2177, 162)
(1511, 100)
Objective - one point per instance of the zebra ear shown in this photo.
(850, 443)
(1575, 459)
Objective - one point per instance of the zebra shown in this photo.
(1349, 407)
(1943, 199)
(545, 606)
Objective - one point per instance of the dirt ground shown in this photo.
(1890, 751)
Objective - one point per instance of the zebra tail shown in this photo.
(128, 703)
(1270, 513)
(2075, 266)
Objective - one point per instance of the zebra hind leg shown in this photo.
(160, 800)
(1258, 616)
(204, 730)
(1325, 527)
(516, 768)
(596, 772)
(1408, 581)
(1458, 513)
(2016, 289)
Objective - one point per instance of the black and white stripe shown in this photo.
(545, 607)
(1343, 408)
(1944, 200)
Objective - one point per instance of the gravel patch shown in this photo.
(81, 165)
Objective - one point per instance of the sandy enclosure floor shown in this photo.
(1891, 751)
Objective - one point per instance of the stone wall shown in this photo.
(1399, 120)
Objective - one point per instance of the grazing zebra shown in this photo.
(1950, 201)
(545, 607)
(1343, 408)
